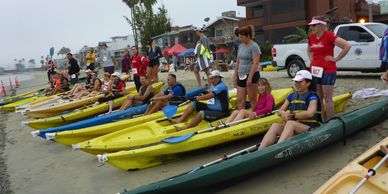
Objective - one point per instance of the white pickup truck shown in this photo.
(365, 40)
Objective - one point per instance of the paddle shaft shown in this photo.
(371, 173)
(226, 157)
(233, 123)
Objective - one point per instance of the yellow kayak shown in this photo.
(81, 113)
(80, 135)
(347, 179)
(159, 153)
(60, 105)
(150, 132)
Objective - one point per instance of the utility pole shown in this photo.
(370, 5)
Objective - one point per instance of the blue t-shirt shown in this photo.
(220, 102)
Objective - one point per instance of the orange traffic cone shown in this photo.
(3, 89)
(10, 85)
(17, 84)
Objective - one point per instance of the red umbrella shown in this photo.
(222, 50)
(176, 49)
(165, 51)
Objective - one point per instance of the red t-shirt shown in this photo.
(139, 65)
(321, 48)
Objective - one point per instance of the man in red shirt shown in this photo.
(320, 50)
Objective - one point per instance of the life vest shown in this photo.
(63, 85)
(143, 90)
(115, 87)
(177, 99)
(298, 103)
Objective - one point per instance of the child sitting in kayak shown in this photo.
(217, 106)
(173, 95)
(146, 92)
(264, 105)
(300, 112)
(117, 91)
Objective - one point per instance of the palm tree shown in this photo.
(300, 35)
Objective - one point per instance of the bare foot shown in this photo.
(173, 121)
(178, 128)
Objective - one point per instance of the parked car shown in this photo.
(365, 39)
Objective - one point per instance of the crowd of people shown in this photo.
(304, 109)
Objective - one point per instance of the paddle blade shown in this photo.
(170, 110)
(178, 139)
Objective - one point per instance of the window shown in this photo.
(355, 33)
(219, 32)
(258, 11)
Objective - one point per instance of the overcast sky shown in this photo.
(29, 28)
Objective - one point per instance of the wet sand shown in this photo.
(38, 166)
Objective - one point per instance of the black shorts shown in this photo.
(91, 67)
(243, 83)
(206, 114)
(153, 63)
(108, 98)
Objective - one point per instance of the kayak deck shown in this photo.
(346, 180)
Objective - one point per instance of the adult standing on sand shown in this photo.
(246, 71)
(384, 55)
(73, 69)
(90, 59)
(108, 58)
(202, 51)
(320, 50)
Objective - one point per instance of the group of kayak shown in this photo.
(152, 126)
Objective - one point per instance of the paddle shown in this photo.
(226, 157)
(371, 172)
(170, 110)
(224, 125)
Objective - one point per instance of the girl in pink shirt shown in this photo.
(264, 105)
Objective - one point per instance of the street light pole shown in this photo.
(370, 4)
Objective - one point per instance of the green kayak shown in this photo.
(206, 178)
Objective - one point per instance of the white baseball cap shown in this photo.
(302, 75)
(216, 73)
(116, 74)
(88, 71)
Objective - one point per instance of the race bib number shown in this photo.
(211, 101)
(317, 71)
(104, 59)
(242, 77)
(134, 70)
(72, 76)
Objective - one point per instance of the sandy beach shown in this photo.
(34, 165)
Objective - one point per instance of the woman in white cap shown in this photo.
(118, 90)
(320, 50)
(300, 112)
